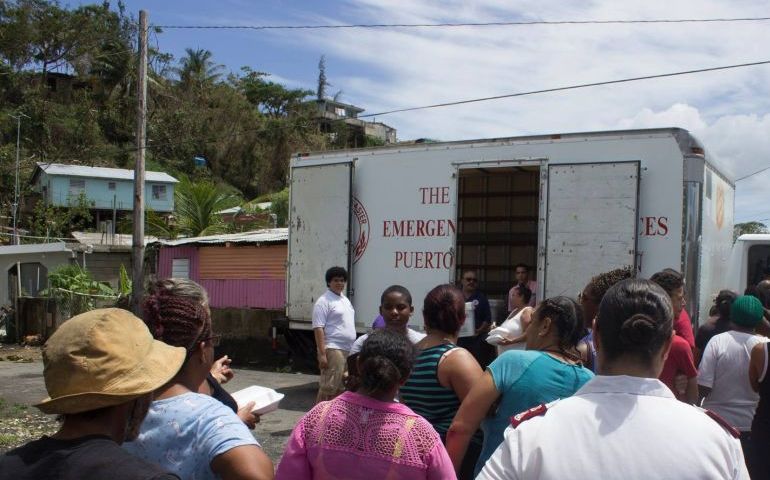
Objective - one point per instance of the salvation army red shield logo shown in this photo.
(361, 230)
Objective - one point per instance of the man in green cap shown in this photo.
(723, 380)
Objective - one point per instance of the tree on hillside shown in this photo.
(196, 207)
(197, 69)
(272, 99)
(748, 227)
(322, 82)
(246, 126)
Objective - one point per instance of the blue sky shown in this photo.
(288, 57)
(382, 69)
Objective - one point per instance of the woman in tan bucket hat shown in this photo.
(100, 371)
(186, 432)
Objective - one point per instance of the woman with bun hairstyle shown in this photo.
(366, 435)
(189, 433)
(444, 373)
(624, 423)
(550, 368)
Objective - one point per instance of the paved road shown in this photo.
(23, 383)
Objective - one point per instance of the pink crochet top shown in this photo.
(357, 437)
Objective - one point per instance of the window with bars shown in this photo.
(180, 268)
(158, 192)
(77, 186)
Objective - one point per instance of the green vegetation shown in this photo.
(74, 278)
(20, 424)
(748, 227)
(72, 71)
(75, 291)
(57, 222)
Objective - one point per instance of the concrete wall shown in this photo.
(246, 334)
(98, 193)
(50, 260)
(105, 266)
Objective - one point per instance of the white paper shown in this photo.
(266, 399)
(468, 328)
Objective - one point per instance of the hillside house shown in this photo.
(109, 191)
(331, 111)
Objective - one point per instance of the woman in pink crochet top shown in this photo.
(365, 434)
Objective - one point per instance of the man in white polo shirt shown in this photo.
(335, 331)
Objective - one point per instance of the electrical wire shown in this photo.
(751, 174)
(570, 87)
(235, 133)
(467, 24)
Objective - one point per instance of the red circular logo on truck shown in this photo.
(360, 234)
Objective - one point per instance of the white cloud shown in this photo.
(727, 110)
(741, 143)
(386, 69)
(410, 67)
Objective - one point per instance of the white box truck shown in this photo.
(569, 205)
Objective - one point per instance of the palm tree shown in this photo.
(197, 204)
(198, 69)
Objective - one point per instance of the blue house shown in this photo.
(105, 189)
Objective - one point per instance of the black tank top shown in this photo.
(762, 415)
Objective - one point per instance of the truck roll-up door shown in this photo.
(592, 223)
(319, 232)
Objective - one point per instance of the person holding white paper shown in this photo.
(510, 334)
(188, 433)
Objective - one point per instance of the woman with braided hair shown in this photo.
(624, 423)
(191, 434)
(517, 380)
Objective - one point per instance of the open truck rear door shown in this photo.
(592, 223)
(319, 232)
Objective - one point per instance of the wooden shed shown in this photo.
(241, 270)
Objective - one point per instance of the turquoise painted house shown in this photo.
(106, 189)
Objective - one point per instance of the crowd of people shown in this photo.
(614, 383)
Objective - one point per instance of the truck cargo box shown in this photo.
(569, 205)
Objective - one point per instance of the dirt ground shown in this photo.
(21, 386)
(20, 353)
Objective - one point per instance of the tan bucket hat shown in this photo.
(104, 358)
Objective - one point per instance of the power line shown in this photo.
(468, 24)
(570, 87)
(236, 133)
(751, 174)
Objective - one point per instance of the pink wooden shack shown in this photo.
(240, 270)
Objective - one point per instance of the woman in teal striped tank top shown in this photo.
(444, 373)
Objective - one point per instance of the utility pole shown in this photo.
(16, 184)
(137, 252)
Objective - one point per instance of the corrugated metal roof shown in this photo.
(268, 235)
(239, 209)
(118, 239)
(102, 172)
(33, 248)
